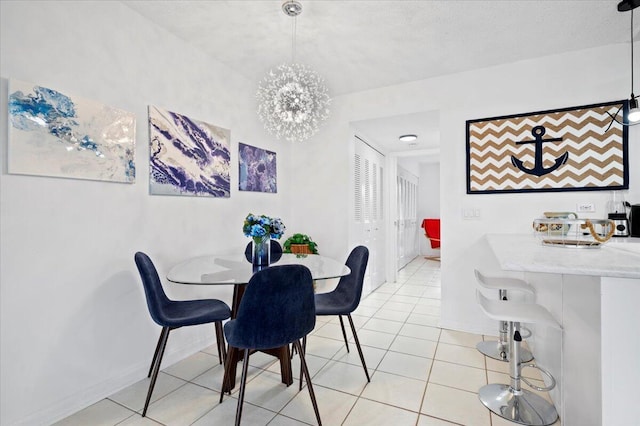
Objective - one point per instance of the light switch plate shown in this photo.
(471, 214)
(585, 208)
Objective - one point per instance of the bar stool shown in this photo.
(500, 350)
(510, 401)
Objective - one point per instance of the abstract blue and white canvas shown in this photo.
(187, 157)
(257, 169)
(56, 134)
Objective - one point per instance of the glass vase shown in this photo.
(261, 251)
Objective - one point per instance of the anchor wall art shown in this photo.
(572, 149)
(188, 157)
(56, 134)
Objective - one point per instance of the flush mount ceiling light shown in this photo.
(408, 138)
(633, 116)
(292, 99)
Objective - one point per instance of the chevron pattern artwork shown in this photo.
(572, 149)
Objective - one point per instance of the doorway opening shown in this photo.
(409, 185)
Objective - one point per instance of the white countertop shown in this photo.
(620, 257)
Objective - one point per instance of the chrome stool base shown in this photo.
(525, 408)
(490, 349)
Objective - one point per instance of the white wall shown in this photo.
(573, 79)
(410, 164)
(74, 322)
(429, 190)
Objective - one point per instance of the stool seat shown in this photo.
(516, 311)
(503, 283)
(499, 349)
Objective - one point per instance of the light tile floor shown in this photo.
(421, 375)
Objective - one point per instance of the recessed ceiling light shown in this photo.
(408, 138)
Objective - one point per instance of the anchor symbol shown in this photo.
(538, 168)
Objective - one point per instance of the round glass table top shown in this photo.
(235, 269)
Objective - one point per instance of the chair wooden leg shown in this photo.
(165, 330)
(303, 367)
(355, 337)
(304, 348)
(243, 383)
(222, 350)
(230, 365)
(286, 372)
(162, 344)
(344, 333)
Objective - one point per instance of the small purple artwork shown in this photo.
(257, 169)
(187, 157)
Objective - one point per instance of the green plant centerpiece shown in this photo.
(300, 244)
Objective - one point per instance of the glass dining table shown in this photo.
(237, 271)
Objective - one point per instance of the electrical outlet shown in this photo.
(585, 208)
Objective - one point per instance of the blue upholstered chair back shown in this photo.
(274, 247)
(277, 308)
(349, 288)
(157, 300)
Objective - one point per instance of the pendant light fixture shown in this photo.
(292, 99)
(633, 115)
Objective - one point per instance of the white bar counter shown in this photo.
(595, 295)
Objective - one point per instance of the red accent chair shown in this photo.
(432, 232)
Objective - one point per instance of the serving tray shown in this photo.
(573, 233)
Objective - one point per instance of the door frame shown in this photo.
(391, 207)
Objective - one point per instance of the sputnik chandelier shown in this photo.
(292, 99)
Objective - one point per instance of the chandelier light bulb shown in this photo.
(292, 102)
(634, 110)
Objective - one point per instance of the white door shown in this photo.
(407, 193)
(367, 222)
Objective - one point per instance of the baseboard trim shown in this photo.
(86, 397)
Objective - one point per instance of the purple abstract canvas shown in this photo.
(257, 169)
(187, 157)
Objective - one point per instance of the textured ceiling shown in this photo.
(359, 45)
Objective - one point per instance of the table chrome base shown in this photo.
(526, 408)
(490, 349)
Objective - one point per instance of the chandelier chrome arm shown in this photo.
(292, 100)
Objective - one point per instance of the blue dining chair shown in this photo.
(345, 298)
(277, 309)
(275, 251)
(172, 314)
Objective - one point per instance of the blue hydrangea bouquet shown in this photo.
(260, 226)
